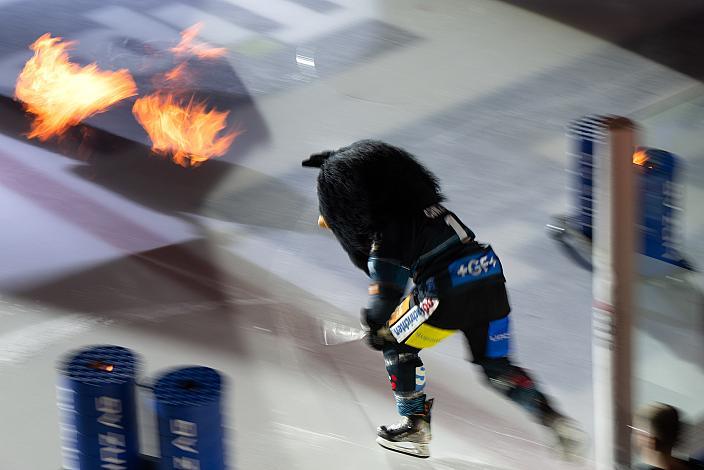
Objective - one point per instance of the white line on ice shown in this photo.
(334, 437)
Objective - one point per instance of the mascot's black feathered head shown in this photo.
(365, 186)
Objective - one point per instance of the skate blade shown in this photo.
(421, 451)
(571, 443)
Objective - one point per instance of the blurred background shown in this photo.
(223, 264)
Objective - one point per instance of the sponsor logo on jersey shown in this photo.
(405, 319)
(427, 336)
(409, 322)
(428, 305)
(415, 317)
(498, 338)
(474, 268)
(420, 378)
(401, 310)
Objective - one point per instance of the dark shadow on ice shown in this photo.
(185, 292)
(150, 290)
(217, 189)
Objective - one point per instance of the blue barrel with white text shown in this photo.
(189, 415)
(98, 409)
(660, 204)
(583, 136)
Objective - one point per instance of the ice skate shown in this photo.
(409, 436)
(571, 440)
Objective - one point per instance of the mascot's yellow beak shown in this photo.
(322, 223)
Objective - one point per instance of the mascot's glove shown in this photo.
(378, 335)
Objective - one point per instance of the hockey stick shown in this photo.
(336, 333)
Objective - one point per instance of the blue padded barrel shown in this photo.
(660, 202)
(98, 409)
(658, 189)
(189, 413)
(583, 135)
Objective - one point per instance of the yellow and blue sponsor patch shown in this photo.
(401, 310)
(427, 336)
(407, 323)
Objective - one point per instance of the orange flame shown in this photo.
(189, 131)
(100, 365)
(60, 93)
(178, 72)
(201, 49)
(640, 157)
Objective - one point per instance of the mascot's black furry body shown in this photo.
(385, 209)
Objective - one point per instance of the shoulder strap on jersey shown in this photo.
(458, 228)
(436, 210)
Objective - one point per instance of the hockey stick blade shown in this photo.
(337, 333)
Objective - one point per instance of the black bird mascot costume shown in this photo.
(385, 209)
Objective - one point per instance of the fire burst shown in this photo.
(201, 49)
(187, 130)
(60, 93)
(640, 157)
(176, 73)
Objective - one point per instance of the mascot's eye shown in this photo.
(322, 223)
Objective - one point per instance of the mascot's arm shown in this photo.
(388, 283)
(388, 279)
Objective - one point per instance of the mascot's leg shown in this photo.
(489, 345)
(411, 435)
